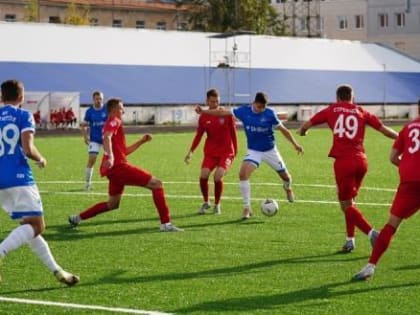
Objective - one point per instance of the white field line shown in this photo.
(226, 183)
(81, 306)
(79, 193)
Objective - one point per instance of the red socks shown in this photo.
(355, 218)
(382, 243)
(94, 210)
(218, 190)
(161, 206)
(204, 187)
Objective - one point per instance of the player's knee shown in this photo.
(112, 205)
(155, 183)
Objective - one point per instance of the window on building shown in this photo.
(400, 19)
(117, 23)
(161, 25)
(383, 20)
(54, 19)
(140, 24)
(10, 17)
(342, 22)
(359, 21)
(93, 22)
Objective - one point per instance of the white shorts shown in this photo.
(94, 147)
(271, 157)
(21, 201)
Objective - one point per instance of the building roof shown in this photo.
(170, 67)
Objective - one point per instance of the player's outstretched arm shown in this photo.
(219, 112)
(31, 150)
(303, 130)
(145, 138)
(288, 135)
(388, 132)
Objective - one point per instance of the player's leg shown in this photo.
(16, 201)
(204, 184)
(250, 163)
(223, 166)
(276, 162)
(115, 191)
(93, 151)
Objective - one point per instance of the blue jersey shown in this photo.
(259, 127)
(14, 166)
(96, 119)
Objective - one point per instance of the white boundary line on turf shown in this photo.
(81, 306)
(79, 193)
(226, 183)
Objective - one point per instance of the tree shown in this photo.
(75, 17)
(31, 11)
(233, 15)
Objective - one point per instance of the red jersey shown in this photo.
(114, 125)
(408, 143)
(221, 135)
(347, 122)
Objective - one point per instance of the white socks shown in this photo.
(245, 188)
(88, 174)
(18, 237)
(41, 249)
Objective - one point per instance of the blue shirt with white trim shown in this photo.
(259, 127)
(96, 119)
(14, 166)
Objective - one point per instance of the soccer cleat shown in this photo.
(169, 227)
(217, 209)
(205, 206)
(88, 186)
(66, 277)
(348, 247)
(289, 194)
(373, 237)
(74, 220)
(365, 273)
(246, 214)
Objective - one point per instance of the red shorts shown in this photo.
(349, 174)
(211, 162)
(407, 200)
(126, 174)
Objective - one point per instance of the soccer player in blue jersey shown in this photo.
(19, 195)
(91, 127)
(259, 123)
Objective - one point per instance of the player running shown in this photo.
(19, 195)
(348, 121)
(120, 173)
(405, 154)
(220, 149)
(259, 123)
(91, 128)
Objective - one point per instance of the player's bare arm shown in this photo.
(107, 143)
(218, 112)
(388, 132)
(30, 149)
(84, 130)
(288, 135)
(303, 131)
(395, 157)
(145, 138)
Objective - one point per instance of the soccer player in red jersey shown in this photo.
(405, 154)
(348, 122)
(120, 173)
(220, 149)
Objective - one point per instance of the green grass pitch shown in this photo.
(286, 264)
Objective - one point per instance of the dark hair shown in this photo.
(96, 93)
(212, 93)
(344, 92)
(11, 90)
(261, 98)
(112, 103)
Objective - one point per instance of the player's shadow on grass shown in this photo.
(409, 267)
(117, 277)
(274, 302)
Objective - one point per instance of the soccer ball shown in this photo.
(269, 207)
